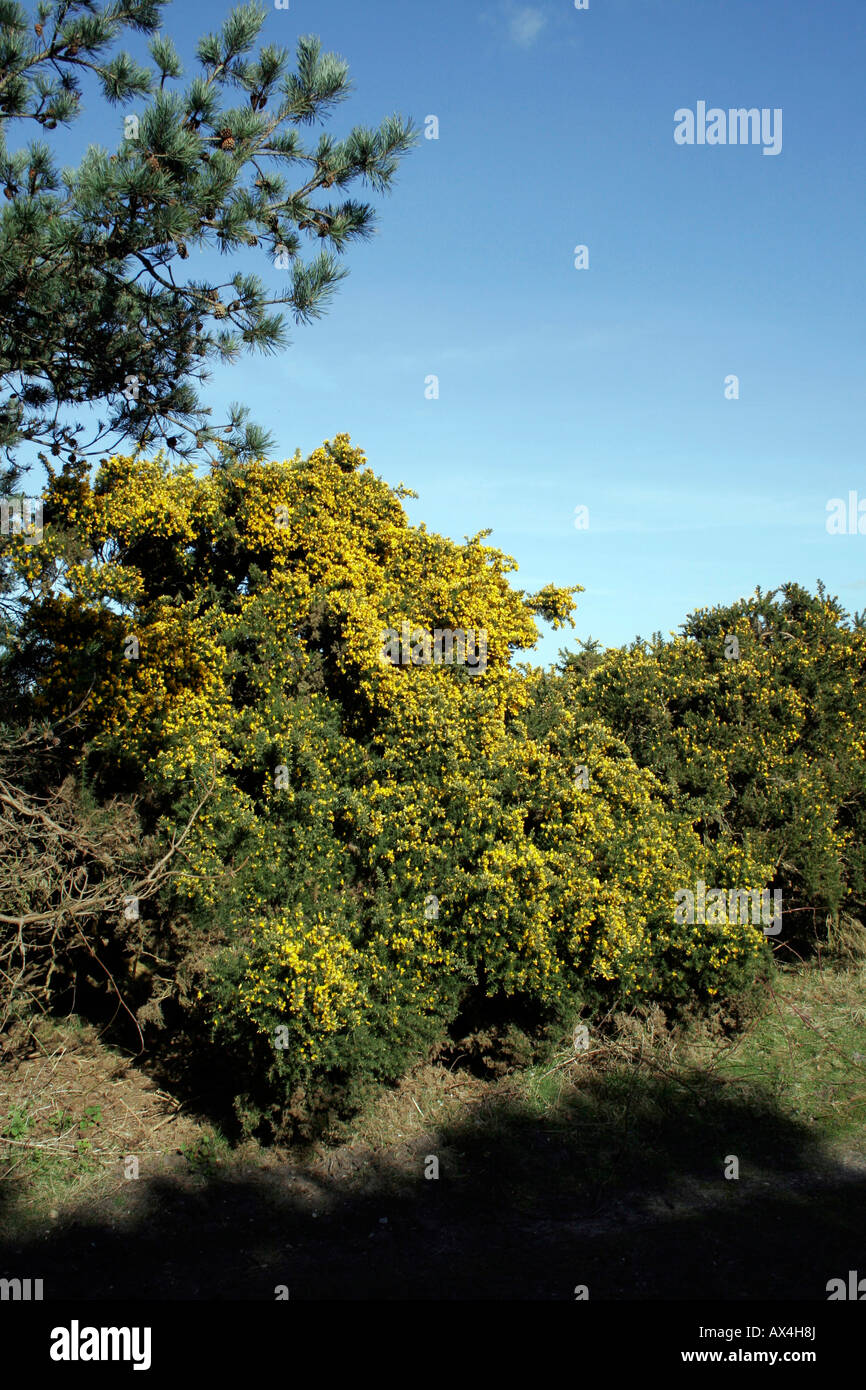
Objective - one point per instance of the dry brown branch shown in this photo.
(65, 868)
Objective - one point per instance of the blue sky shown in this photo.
(602, 387)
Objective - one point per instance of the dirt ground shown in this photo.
(632, 1205)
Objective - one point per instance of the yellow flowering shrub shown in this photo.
(754, 720)
(388, 844)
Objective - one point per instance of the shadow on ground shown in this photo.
(622, 1190)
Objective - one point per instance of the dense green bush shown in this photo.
(389, 852)
(754, 721)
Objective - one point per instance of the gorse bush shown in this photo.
(754, 720)
(385, 849)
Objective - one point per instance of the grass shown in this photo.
(205, 1153)
(645, 1106)
(74, 1110)
(649, 1111)
(608, 1167)
(48, 1153)
(808, 1049)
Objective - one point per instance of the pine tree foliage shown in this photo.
(97, 308)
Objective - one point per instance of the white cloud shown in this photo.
(525, 24)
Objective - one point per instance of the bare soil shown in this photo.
(629, 1200)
